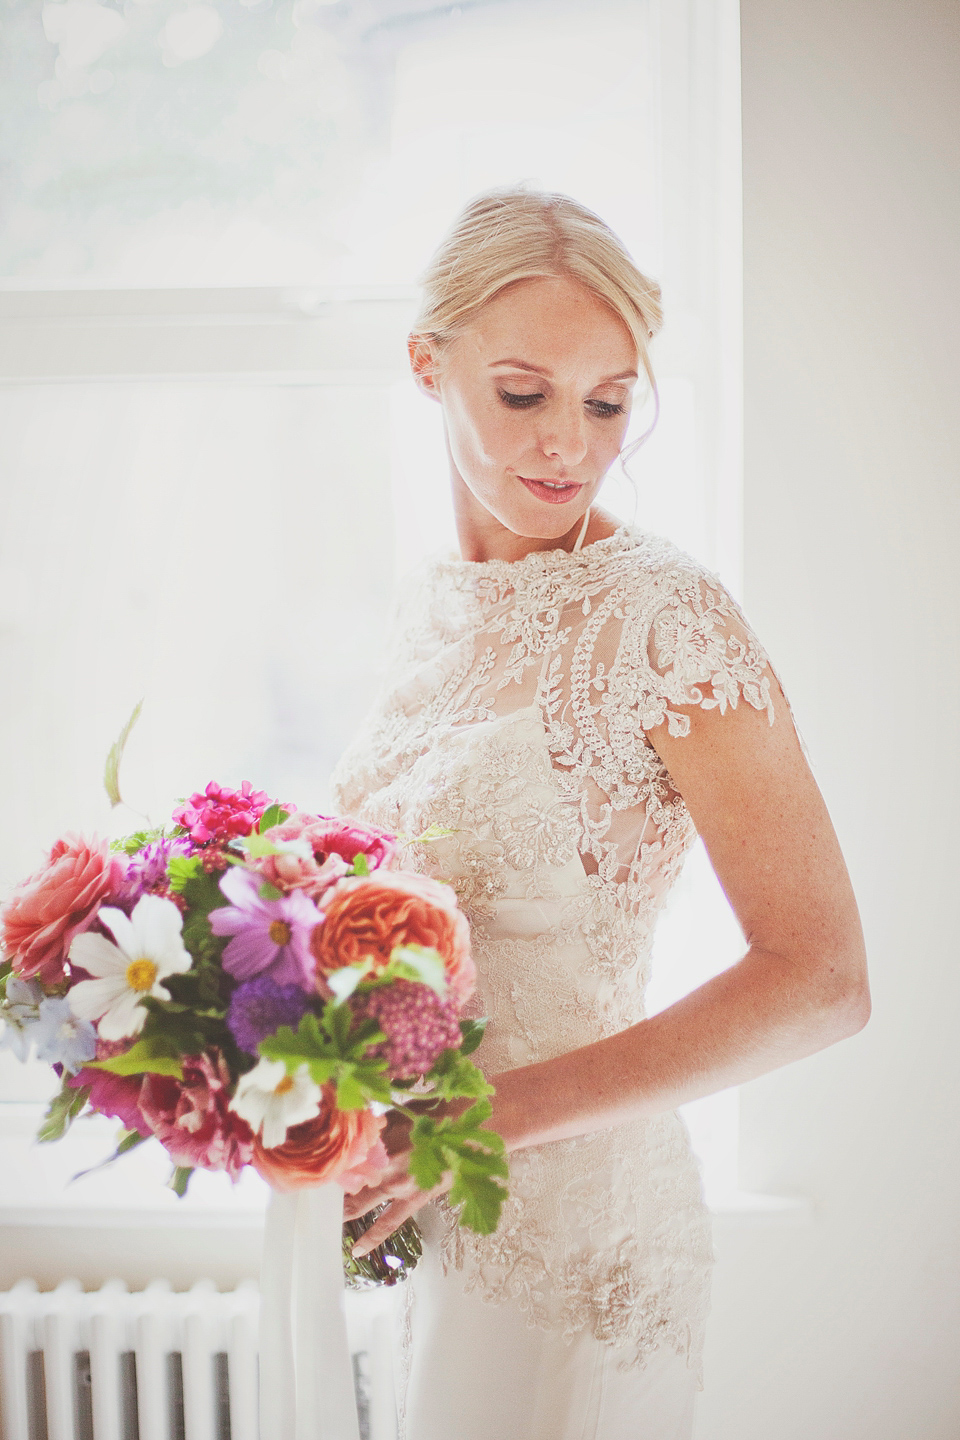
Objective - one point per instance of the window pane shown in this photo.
(256, 143)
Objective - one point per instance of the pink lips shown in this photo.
(553, 494)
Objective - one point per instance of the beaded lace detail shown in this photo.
(515, 721)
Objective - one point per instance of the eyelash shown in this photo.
(603, 409)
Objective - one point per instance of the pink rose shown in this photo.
(58, 902)
(191, 1117)
(288, 872)
(347, 838)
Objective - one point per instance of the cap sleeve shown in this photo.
(702, 652)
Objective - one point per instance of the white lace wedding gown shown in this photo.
(515, 719)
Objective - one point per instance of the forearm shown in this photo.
(761, 1013)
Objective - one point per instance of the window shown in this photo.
(216, 468)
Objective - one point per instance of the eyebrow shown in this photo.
(538, 370)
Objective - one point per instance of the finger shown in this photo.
(366, 1200)
(383, 1227)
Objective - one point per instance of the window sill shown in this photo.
(37, 1188)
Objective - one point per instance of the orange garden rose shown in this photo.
(341, 1145)
(370, 917)
(57, 902)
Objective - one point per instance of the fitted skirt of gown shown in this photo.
(476, 1370)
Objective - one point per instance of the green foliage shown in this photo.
(111, 771)
(474, 1156)
(153, 1055)
(360, 865)
(139, 840)
(129, 1140)
(453, 1076)
(62, 1111)
(180, 1179)
(273, 815)
(269, 892)
(181, 869)
(334, 1049)
(257, 846)
(202, 894)
(416, 962)
(473, 1032)
(6, 970)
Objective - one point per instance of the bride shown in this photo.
(570, 702)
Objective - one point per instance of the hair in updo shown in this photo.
(515, 233)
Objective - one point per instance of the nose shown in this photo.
(564, 436)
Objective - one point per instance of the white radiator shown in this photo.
(159, 1365)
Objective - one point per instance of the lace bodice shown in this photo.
(513, 728)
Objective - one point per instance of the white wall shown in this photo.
(847, 1330)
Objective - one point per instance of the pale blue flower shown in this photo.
(61, 1037)
(20, 1014)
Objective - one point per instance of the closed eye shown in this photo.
(519, 402)
(602, 408)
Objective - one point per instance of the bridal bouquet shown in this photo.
(256, 986)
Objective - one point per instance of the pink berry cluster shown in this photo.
(219, 813)
(417, 1023)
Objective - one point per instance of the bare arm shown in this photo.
(801, 985)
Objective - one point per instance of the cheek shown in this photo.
(485, 437)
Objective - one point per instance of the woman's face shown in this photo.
(536, 396)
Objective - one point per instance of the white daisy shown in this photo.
(149, 948)
(268, 1096)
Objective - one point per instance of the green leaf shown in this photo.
(181, 869)
(360, 865)
(481, 1198)
(269, 892)
(257, 846)
(475, 1158)
(273, 815)
(154, 1055)
(62, 1111)
(454, 1076)
(334, 1049)
(6, 970)
(418, 962)
(180, 1179)
(133, 844)
(473, 1032)
(111, 771)
(129, 1140)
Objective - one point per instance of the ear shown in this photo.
(423, 363)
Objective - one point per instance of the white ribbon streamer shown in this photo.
(306, 1374)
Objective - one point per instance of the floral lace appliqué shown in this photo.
(515, 721)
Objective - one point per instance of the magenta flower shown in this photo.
(117, 1095)
(270, 937)
(222, 814)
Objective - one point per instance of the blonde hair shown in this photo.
(515, 233)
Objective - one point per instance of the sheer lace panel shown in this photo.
(514, 725)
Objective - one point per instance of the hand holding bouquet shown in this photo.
(255, 985)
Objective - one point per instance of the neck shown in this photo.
(483, 537)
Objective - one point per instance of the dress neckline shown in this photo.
(535, 561)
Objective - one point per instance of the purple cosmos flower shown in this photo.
(270, 937)
(260, 1007)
